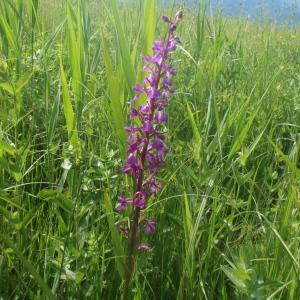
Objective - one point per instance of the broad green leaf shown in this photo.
(149, 24)
(6, 148)
(68, 109)
(236, 279)
(51, 40)
(115, 90)
(8, 32)
(243, 134)
(248, 151)
(196, 133)
(7, 86)
(127, 63)
(22, 81)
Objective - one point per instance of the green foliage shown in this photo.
(228, 214)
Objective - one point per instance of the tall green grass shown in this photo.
(228, 214)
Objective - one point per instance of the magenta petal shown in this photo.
(157, 59)
(150, 227)
(122, 198)
(158, 46)
(158, 145)
(165, 19)
(145, 109)
(148, 127)
(153, 93)
(138, 88)
(135, 98)
(144, 246)
(133, 113)
(126, 169)
(170, 71)
(161, 117)
(147, 58)
(154, 187)
(124, 202)
(151, 80)
(140, 200)
(173, 27)
(131, 160)
(121, 206)
(135, 146)
(172, 46)
(167, 80)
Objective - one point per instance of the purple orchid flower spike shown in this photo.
(146, 149)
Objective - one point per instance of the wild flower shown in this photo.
(146, 149)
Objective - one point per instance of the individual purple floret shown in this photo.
(143, 246)
(146, 149)
(150, 227)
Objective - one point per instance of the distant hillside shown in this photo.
(282, 10)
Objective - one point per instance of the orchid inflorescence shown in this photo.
(146, 148)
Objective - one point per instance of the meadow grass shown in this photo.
(228, 213)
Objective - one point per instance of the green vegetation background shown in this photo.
(228, 215)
